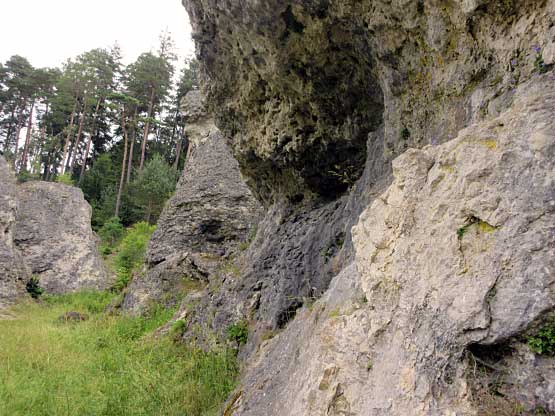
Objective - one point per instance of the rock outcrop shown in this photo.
(456, 258)
(211, 214)
(13, 272)
(425, 125)
(53, 233)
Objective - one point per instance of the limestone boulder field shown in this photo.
(53, 233)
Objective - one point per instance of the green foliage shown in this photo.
(123, 277)
(33, 287)
(539, 64)
(461, 232)
(108, 365)
(65, 179)
(111, 232)
(130, 253)
(544, 341)
(152, 187)
(347, 175)
(238, 332)
(178, 328)
(85, 302)
(99, 177)
(26, 176)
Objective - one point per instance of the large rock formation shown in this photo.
(13, 272)
(53, 233)
(455, 259)
(203, 224)
(452, 257)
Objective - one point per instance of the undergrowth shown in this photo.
(108, 365)
(127, 249)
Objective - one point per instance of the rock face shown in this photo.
(457, 255)
(428, 127)
(210, 215)
(54, 235)
(13, 272)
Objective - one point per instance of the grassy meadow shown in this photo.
(107, 365)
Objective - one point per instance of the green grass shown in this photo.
(108, 365)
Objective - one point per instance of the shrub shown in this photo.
(25, 176)
(33, 287)
(65, 178)
(123, 276)
(133, 246)
(111, 232)
(238, 332)
(131, 253)
(544, 341)
(178, 328)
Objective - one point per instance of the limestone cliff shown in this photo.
(211, 213)
(426, 125)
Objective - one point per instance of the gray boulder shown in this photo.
(13, 271)
(53, 233)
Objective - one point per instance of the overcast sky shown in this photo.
(49, 32)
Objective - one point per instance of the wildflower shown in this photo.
(536, 48)
(513, 62)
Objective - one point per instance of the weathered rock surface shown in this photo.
(210, 215)
(13, 272)
(316, 99)
(53, 233)
(458, 252)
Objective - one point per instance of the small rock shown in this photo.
(73, 317)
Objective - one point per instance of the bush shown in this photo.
(25, 176)
(123, 276)
(111, 232)
(131, 253)
(238, 332)
(33, 287)
(65, 179)
(544, 341)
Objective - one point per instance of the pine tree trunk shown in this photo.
(89, 141)
(18, 131)
(9, 132)
(123, 164)
(133, 137)
(147, 128)
(68, 138)
(42, 136)
(24, 156)
(79, 134)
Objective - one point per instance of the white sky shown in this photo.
(47, 32)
